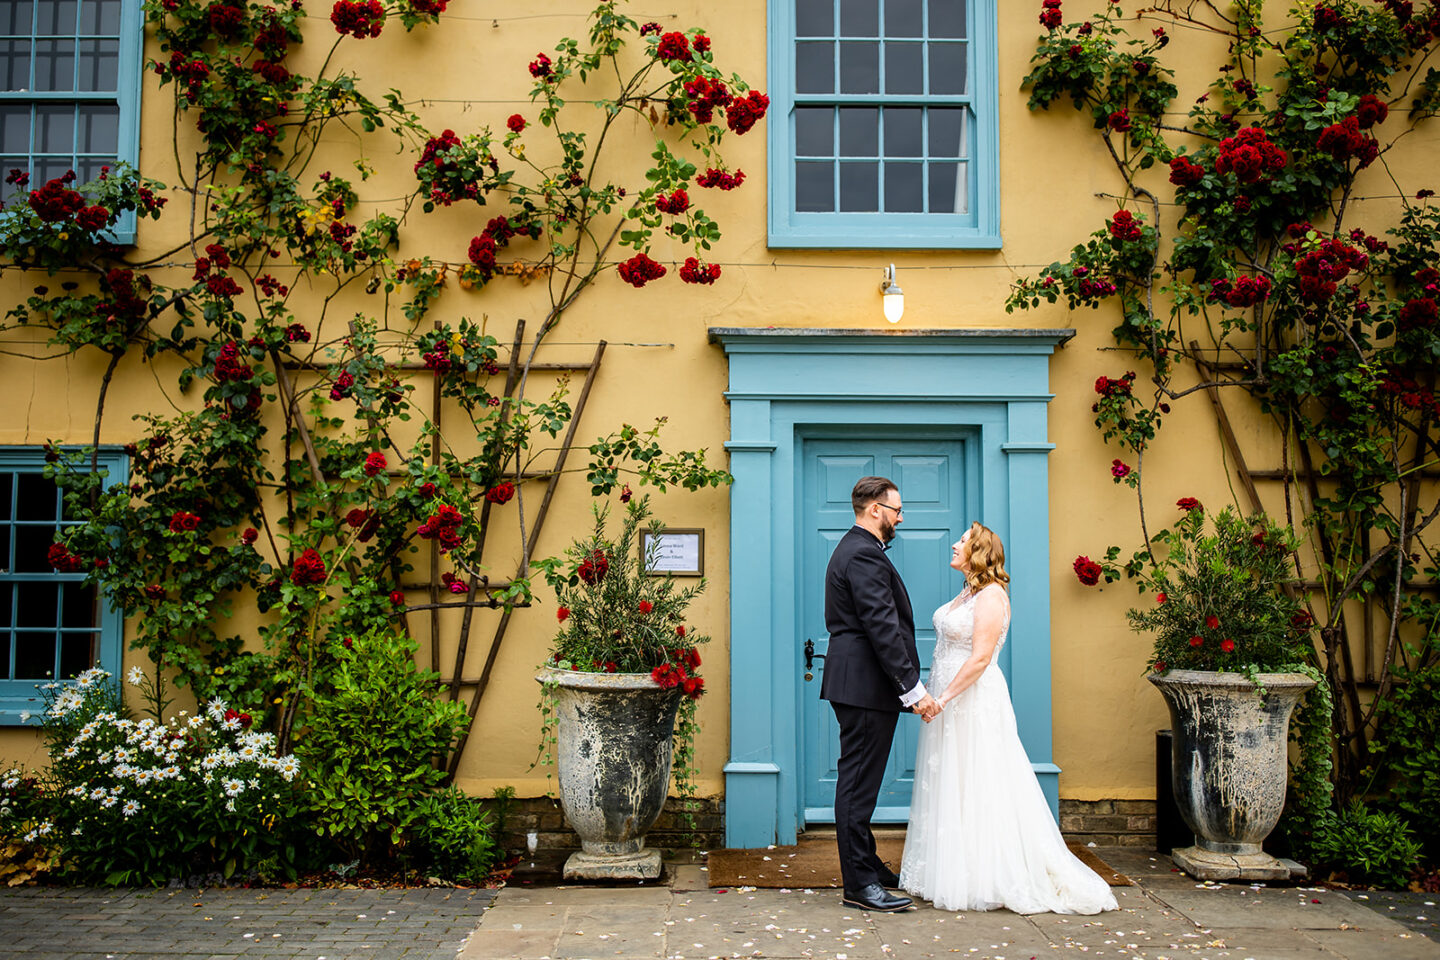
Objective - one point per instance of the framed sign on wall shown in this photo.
(679, 552)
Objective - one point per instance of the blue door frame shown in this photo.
(993, 384)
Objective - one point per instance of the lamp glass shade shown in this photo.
(894, 303)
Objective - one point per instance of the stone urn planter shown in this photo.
(613, 752)
(1228, 767)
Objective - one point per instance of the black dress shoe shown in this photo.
(875, 897)
(890, 880)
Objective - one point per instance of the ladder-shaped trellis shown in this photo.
(480, 589)
(1341, 667)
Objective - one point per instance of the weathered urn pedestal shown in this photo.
(1228, 767)
(613, 752)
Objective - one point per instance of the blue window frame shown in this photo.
(52, 626)
(884, 128)
(70, 96)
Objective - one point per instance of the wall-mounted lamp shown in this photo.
(892, 297)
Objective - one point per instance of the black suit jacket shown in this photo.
(872, 658)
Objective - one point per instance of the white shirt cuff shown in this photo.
(914, 696)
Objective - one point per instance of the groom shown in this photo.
(872, 672)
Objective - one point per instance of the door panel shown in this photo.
(930, 474)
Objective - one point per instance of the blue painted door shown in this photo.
(930, 474)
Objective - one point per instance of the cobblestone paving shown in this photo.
(63, 923)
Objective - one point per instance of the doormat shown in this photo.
(814, 862)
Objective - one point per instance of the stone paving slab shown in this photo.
(48, 923)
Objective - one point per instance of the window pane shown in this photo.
(859, 131)
(57, 18)
(7, 598)
(814, 68)
(942, 188)
(38, 498)
(947, 18)
(45, 169)
(15, 16)
(98, 17)
(903, 186)
(902, 132)
(77, 606)
(947, 68)
(88, 170)
(4, 568)
(947, 133)
(903, 18)
(860, 68)
(32, 548)
(15, 64)
(15, 128)
(38, 604)
(34, 656)
(859, 18)
(99, 65)
(54, 129)
(860, 187)
(4, 656)
(8, 190)
(814, 18)
(814, 187)
(814, 131)
(7, 480)
(77, 653)
(100, 129)
(54, 64)
(904, 68)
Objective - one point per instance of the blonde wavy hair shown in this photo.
(986, 557)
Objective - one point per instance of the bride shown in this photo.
(981, 835)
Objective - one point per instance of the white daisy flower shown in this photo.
(230, 805)
(142, 776)
(136, 676)
(208, 777)
(130, 808)
(79, 790)
(234, 788)
(99, 793)
(71, 751)
(289, 767)
(108, 802)
(210, 762)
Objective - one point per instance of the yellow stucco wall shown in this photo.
(471, 71)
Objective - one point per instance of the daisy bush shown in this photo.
(128, 801)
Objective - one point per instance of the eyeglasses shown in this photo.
(899, 511)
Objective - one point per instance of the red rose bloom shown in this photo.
(1119, 121)
(1188, 503)
(593, 569)
(1183, 173)
(397, 599)
(702, 44)
(540, 66)
(1227, 645)
(673, 46)
(1119, 469)
(358, 18)
(640, 270)
(677, 203)
(154, 591)
(501, 492)
(1124, 226)
(249, 536)
(374, 463)
(744, 113)
(1212, 621)
(309, 569)
(516, 123)
(693, 271)
(1088, 571)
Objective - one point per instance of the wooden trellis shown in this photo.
(1341, 665)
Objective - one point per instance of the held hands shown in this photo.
(928, 707)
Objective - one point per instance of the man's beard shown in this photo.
(887, 529)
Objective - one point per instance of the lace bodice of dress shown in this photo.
(955, 627)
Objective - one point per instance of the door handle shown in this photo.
(810, 657)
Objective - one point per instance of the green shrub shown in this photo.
(1371, 847)
(456, 836)
(371, 738)
(1409, 756)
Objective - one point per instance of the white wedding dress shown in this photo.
(981, 835)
